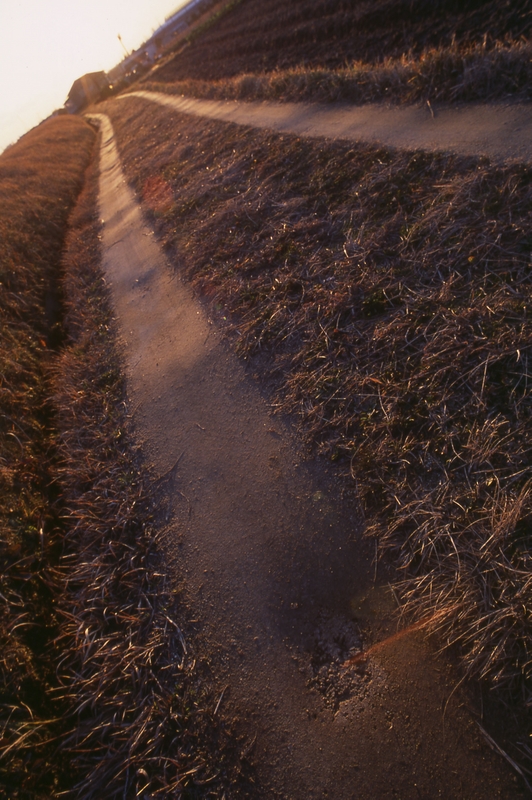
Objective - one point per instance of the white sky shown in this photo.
(46, 44)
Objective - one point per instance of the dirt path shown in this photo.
(501, 131)
(271, 562)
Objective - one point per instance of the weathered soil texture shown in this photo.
(270, 559)
(258, 36)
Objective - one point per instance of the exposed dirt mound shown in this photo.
(256, 36)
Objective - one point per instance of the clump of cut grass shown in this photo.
(40, 178)
(387, 295)
(445, 74)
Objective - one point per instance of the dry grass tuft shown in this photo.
(444, 74)
(328, 35)
(387, 296)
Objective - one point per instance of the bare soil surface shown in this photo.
(501, 131)
(256, 36)
(272, 563)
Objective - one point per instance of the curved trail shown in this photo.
(502, 131)
(271, 562)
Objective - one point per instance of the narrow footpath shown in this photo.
(272, 563)
(501, 131)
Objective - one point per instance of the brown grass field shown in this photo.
(329, 51)
(253, 36)
(383, 298)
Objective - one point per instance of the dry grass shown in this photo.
(258, 37)
(210, 17)
(445, 74)
(36, 195)
(387, 297)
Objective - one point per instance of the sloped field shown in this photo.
(254, 36)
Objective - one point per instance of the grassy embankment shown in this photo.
(387, 295)
(328, 51)
(36, 196)
(97, 694)
(447, 74)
